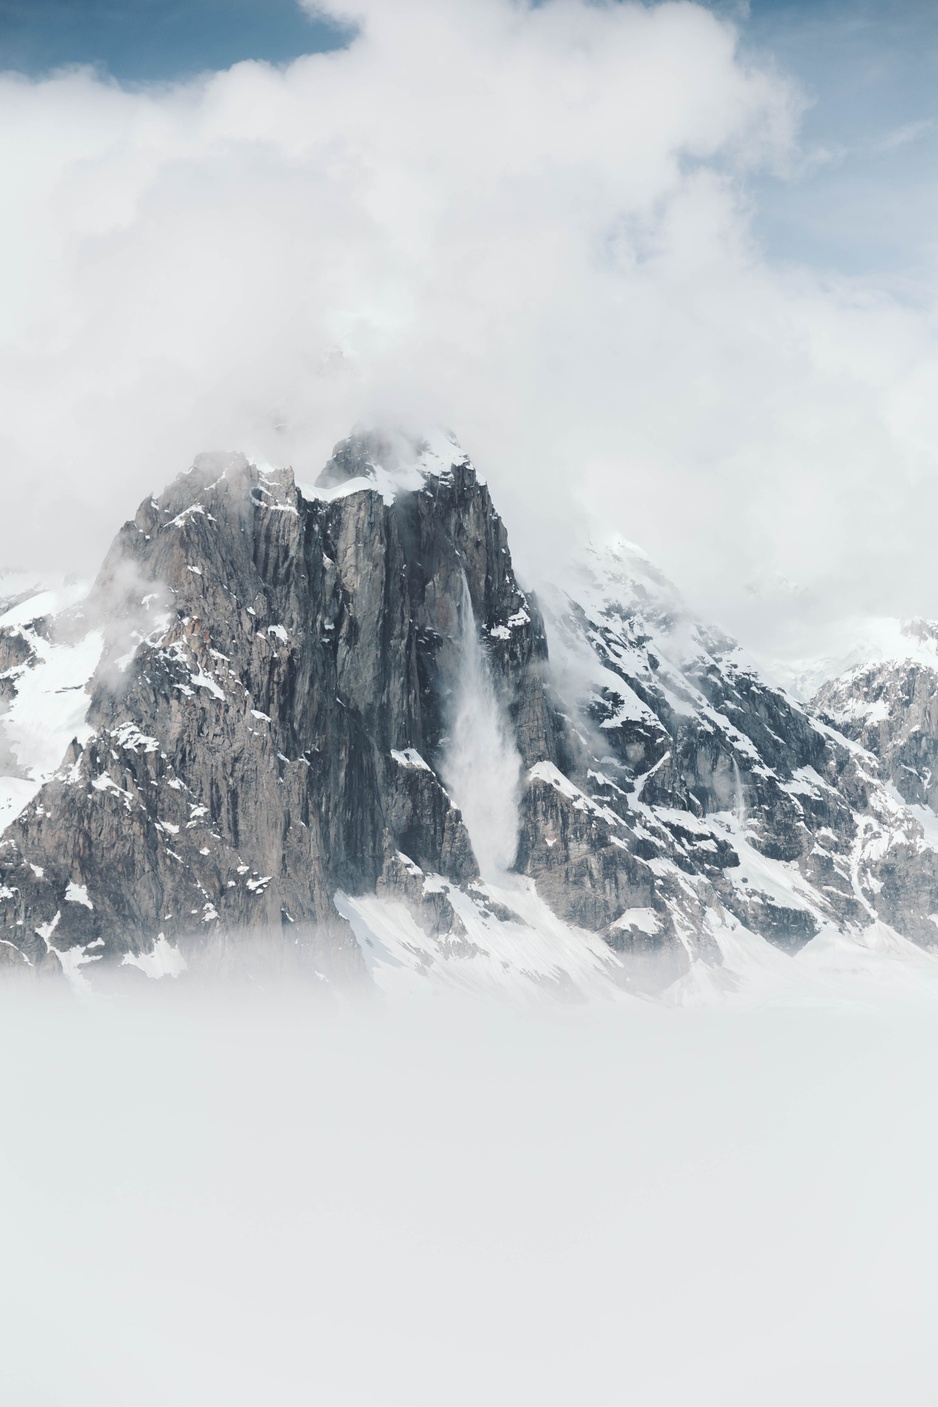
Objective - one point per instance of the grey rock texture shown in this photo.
(276, 676)
(270, 717)
(771, 816)
(891, 709)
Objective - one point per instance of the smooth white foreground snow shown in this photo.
(444, 1202)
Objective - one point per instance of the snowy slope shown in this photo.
(857, 643)
(48, 658)
(825, 856)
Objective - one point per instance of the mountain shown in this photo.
(889, 705)
(325, 731)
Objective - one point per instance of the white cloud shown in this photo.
(528, 223)
(901, 136)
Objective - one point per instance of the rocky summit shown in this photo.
(327, 732)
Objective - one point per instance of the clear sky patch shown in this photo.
(147, 40)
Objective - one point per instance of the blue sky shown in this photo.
(869, 69)
(863, 203)
(143, 40)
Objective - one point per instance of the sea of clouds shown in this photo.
(247, 1199)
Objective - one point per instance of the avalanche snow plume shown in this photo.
(481, 766)
(227, 1202)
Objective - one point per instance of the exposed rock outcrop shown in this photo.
(260, 760)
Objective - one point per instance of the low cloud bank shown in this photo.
(239, 1201)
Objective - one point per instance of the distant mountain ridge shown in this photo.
(327, 732)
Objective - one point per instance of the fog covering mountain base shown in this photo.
(324, 731)
(233, 1200)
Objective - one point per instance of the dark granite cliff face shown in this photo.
(265, 743)
(273, 754)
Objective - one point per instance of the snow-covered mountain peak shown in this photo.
(621, 571)
(391, 462)
(17, 587)
(211, 465)
(888, 702)
(859, 643)
(639, 613)
(925, 632)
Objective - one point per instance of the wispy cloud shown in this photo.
(902, 136)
